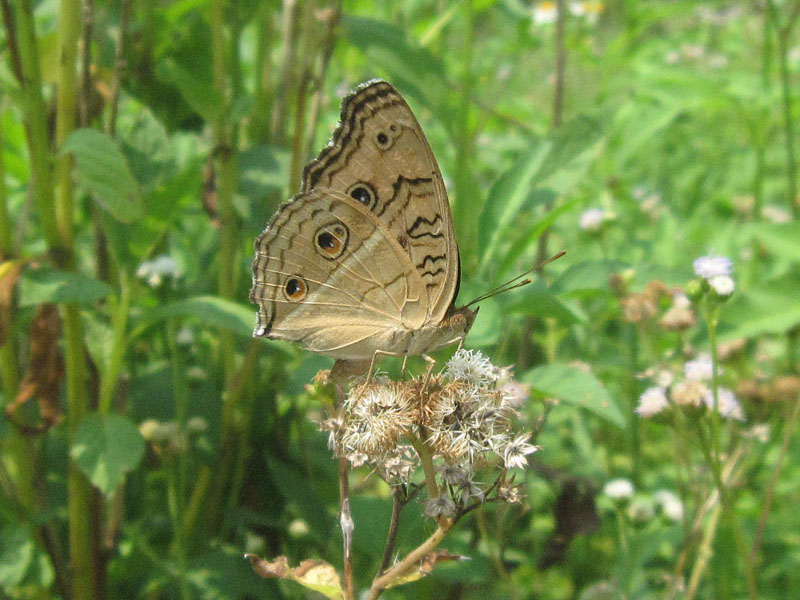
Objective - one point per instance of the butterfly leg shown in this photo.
(431, 363)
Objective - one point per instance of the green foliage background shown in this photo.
(677, 119)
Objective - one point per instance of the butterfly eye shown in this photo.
(295, 289)
(382, 140)
(331, 240)
(364, 193)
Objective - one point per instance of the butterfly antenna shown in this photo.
(515, 283)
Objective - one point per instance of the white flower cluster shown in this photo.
(464, 416)
(155, 271)
(693, 390)
(716, 270)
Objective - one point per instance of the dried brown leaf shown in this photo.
(45, 372)
(315, 575)
(426, 565)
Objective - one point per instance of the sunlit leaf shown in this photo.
(574, 386)
(106, 448)
(103, 171)
(211, 311)
(40, 286)
(771, 307)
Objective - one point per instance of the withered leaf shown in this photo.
(45, 372)
(426, 566)
(315, 575)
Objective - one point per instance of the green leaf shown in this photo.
(506, 198)
(200, 95)
(42, 286)
(556, 163)
(781, 239)
(538, 300)
(587, 276)
(574, 386)
(106, 448)
(412, 68)
(130, 244)
(16, 555)
(772, 307)
(103, 171)
(212, 311)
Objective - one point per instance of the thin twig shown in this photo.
(119, 66)
(11, 41)
(394, 523)
(410, 561)
(288, 43)
(345, 516)
(86, 62)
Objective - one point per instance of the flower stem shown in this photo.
(426, 459)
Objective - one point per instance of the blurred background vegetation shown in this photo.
(147, 441)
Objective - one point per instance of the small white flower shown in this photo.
(728, 404)
(516, 451)
(670, 504)
(712, 266)
(722, 284)
(185, 336)
(672, 57)
(156, 270)
(592, 219)
(578, 9)
(618, 489)
(700, 369)
(652, 401)
(471, 366)
(545, 13)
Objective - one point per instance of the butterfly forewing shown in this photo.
(380, 157)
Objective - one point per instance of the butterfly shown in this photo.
(364, 260)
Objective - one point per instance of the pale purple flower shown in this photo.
(712, 266)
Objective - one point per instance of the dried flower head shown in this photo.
(688, 393)
(638, 307)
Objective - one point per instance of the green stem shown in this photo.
(35, 117)
(712, 319)
(426, 458)
(226, 177)
(119, 323)
(6, 239)
(174, 501)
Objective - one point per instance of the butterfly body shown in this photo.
(364, 259)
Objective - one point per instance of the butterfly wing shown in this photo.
(329, 275)
(380, 157)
